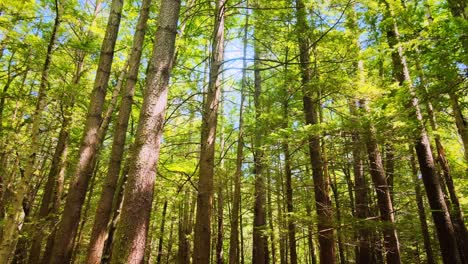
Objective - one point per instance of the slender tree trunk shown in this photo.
(46, 208)
(161, 234)
(310, 239)
(341, 249)
(260, 240)
(234, 235)
(289, 191)
(421, 212)
(440, 213)
(270, 220)
(460, 121)
(384, 201)
(363, 251)
(169, 247)
(117, 207)
(321, 183)
(90, 143)
(201, 254)
(104, 209)
(183, 254)
(456, 214)
(390, 166)
(14, 209)
(220, 218)
(133, 227)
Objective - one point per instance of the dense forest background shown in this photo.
(248, 131)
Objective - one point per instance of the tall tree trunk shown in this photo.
(260, 240)
(440, 213)
(421, 212)
(133, 226)
(456, 214)
(104, 208)
(202, 239)
(234, 234)
(363, 251)
(14, 209)
(384, 201)
(321, 183)
(289, 191)
(67, 229)
(54, 186)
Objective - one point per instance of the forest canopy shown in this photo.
(233, 131)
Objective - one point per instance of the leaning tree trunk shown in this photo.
(67, 229)
(384, 200)
(104, 209)
(14, 210)
(440, 213)
(133, 226)
(201, 254)
(460, 121)
(321, 183)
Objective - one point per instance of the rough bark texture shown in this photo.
(321, 183)
(440, 213)
(61, 252)
(14, 209)
(133, 226)
(384, 200)
(201, 254)
(104, 209)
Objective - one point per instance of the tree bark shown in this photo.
(289, 191)
(421, 211)
(202, 239)
(104, 209)
(440, 213)
(67, 229)
(384, 201)
(260, 240)
(133, 227)
(363, 251)
(321, 183)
